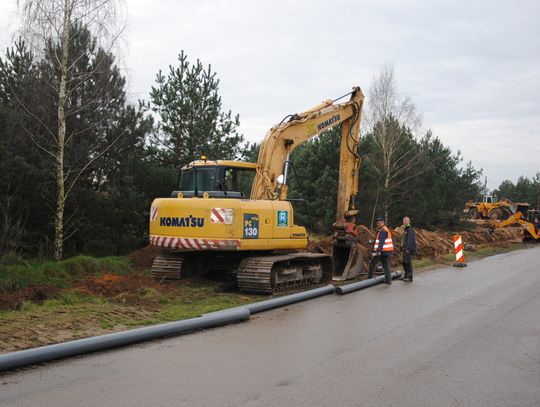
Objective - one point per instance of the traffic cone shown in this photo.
(460, 258)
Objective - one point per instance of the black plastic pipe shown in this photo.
(61, 350)
(285, 300)
(289, 299)
(349, 288)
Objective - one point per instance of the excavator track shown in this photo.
(167, 266)
(274, 273)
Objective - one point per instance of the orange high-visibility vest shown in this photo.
(388, 245)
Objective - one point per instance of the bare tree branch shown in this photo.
(388, 115)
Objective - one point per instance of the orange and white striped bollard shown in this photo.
(458, 247)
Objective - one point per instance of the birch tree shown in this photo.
(391, 118)
(51, 26)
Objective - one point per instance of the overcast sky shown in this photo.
(471, 67)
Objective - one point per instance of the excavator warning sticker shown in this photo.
(153, 213)
(282, 218)
(251, 226)
(222, 215)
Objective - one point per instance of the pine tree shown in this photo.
(21, 181)
(192, 122)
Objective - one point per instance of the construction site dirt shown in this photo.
(126, 301)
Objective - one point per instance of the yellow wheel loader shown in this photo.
(491, 208)
(232, 216)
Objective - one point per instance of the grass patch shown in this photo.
(427, 263)
(72, 298)
(16, 274)
(201, 297)
(182, 309)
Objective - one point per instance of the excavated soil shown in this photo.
(430, 244)
(142, 258)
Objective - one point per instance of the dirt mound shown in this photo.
(135, 289)
(109, 285)
(14, 300)
(142, 258)
(430, 244)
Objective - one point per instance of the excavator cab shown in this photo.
(215, 179)
(533, 216)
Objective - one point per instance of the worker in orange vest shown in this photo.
(382, 249)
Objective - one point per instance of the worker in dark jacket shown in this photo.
(382, 249)
(408, 248)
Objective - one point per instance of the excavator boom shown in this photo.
(272, 170)
(283, 138)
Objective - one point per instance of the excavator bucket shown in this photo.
(522, 207)
(347, 260)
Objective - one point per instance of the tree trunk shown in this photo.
(386, 197)
(375, 206)
(61, 198)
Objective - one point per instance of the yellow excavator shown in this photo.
(232, 216)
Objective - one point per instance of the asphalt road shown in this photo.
(454, 337)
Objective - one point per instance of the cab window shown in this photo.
(239, 180)
(205, 178)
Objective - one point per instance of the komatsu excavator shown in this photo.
(234, 216)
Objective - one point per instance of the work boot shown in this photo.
(407, 277)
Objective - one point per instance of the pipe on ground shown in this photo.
(289, 299)
(285, 300)
(349, 288)
(61, 350)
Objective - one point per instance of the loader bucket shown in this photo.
(347, 260)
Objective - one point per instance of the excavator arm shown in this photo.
(273, 167)
(517, 218)
(273, 163)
